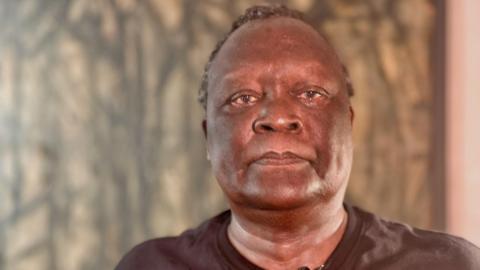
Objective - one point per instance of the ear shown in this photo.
(204, 127)
(352, 114)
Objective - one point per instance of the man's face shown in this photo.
(278, 120)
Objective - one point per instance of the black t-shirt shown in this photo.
(369, 243)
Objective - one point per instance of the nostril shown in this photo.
(293, 126)
(266, 127)
(281, 125)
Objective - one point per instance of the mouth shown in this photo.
(279, 159)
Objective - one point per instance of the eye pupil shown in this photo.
(311, 94)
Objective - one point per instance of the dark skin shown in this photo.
(278, 127)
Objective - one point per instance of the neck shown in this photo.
(288, 239)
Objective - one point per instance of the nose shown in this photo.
(277, 122)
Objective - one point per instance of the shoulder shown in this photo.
(152, 254)
(388, 243)
(179, 252)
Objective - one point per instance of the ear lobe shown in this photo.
(204, 127)
(352, 114)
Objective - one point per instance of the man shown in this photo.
(278, 129)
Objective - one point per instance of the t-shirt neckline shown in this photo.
(339, 256)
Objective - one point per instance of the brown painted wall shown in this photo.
(100, 139)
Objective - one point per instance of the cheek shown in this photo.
(329, 133)
(226, 141)
(332, 123)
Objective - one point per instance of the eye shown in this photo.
(243, 100)
(311, 94)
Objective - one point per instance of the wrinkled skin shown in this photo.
(277, 87)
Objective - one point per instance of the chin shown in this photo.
(284, 192)
(278, 202)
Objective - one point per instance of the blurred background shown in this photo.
(100, 139)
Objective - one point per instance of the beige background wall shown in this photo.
(463, 125)
(100, 139)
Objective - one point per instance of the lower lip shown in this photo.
(280, 162)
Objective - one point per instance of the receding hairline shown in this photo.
(261, 23)
(258, 22)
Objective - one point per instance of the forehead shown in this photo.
(274, 41)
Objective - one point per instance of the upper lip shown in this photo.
(278, 150)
